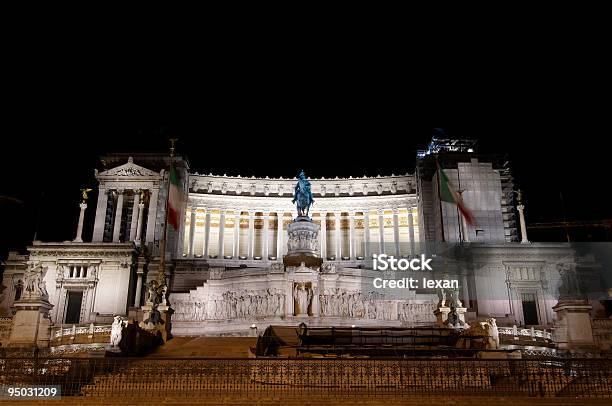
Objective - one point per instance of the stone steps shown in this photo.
(307, 400)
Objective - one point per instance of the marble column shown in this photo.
(192, 225)
(352, 235)
(266, 228)
(139, 276)
(207, 233)
(323, 236)
(221, 250)
(152, 215)
(98, 233)
(139, 224)
(251, 246)
(381, 231)
(279, 235)
(521, 210)
(396, 234)
(134, 215)
(338, 236)
(236, 250)
(118, 212)
(79, 233)
(465, 291)
(411, 232)
(366, 235)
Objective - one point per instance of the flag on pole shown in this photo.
(175, 197)
(450, 195)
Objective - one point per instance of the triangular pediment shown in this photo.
(129, 170)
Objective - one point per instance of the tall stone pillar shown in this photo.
(98, 233)
(236, 250)
(118, 212)
(221, 250)
(338, 232)
(279, 234)
(352, 235)
(396, 234)
(521, 210)
(366, 235)
(139, 276)
(135, 212)
(152, 215)
(411, 232)
(251, 245)
(381, 231)
(206, 233)
(192, 225)
(266, 228)
(324, 235)
(139, 224)
(79, 233)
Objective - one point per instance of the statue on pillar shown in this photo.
(303, 195)
(84, 196)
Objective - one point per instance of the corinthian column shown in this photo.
(338, 236)
(206, 233)
(324, 235)
(266, 228)
(279, 235)
(221, 251)
(134, 215)
(366, 235)
(192, 224)
(236, 250)
(381, 231)
(98, 234)
(139, 224)
(352, 235)
(118, 212)
(396, 235)
(251, 246)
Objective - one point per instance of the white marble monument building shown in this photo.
(225, 269)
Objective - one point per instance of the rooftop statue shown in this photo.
(303, 195)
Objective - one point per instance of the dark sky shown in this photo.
(265, 112)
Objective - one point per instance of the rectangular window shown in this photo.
(530, 310)
(73, 307)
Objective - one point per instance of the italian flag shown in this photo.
(448, 194)
(175, 197)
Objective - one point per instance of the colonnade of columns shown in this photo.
(263, 239)
(137, 221)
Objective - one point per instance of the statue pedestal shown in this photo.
(31, 325)
(303, 243)
(441, 314)
(156, 319)
(573, 325)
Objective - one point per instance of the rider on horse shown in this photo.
(303, 195)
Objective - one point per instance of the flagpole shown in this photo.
(161, 276)
(459, 222)
(440, 198)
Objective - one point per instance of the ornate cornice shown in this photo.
(81, 250)
(236, 185)
(275, 204)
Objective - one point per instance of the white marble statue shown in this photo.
(490, 326)
(303, 296)
(119, 324)
(35, 285)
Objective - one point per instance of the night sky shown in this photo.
(256, 117)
